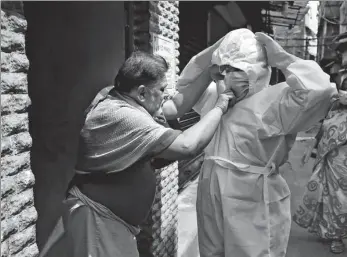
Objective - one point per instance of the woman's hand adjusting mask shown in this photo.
(238, 82)
(229, 78)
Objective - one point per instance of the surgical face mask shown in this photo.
(343, 97)
(238, 82)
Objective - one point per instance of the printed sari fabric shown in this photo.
(324, 207)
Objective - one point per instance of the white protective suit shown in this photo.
(243, 203)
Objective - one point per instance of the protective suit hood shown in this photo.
(241, 50)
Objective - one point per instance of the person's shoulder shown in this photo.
(271, 92)
(110, 105)
(112, 110)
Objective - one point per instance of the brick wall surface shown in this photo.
(164, 20)
(18, 214)
(159, 233)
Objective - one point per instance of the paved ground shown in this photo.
(301, 243)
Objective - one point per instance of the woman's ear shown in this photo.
(141, 93)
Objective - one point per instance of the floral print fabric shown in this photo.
(324, 207)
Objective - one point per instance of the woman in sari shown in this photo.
(324, 207)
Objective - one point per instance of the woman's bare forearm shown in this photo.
(195, 139)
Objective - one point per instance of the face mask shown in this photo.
(343, 97)
(238, 82)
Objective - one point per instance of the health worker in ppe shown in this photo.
(243, 203)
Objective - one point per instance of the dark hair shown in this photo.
(140, 68)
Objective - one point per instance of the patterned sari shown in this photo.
(324, 207)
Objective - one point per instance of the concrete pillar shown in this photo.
(156, 30)
(74, 50)
(18, 215)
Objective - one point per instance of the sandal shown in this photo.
(337, 246)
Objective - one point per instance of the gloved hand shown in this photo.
(204, 57)
(198, 65)
(225, 100)
(277, 57)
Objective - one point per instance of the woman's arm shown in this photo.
(197, 137)
(308, 98)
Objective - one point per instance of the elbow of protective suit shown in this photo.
(331, 91)
(326, 94)
(326, 90)
(307, 75)
(323, 97)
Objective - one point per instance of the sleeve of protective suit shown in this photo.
(197, 67)
(191, 84)
(207, 100)
(308, 98)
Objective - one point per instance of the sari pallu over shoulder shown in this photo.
(334, 133)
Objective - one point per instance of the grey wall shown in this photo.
(218, 27)
(74, 50)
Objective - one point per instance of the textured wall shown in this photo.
(159, 233)
(156, 17)
(327, 31)
(164, 21)
(288, 39)
(18, 214)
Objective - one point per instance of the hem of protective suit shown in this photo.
(187, 227)
(190, 248)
